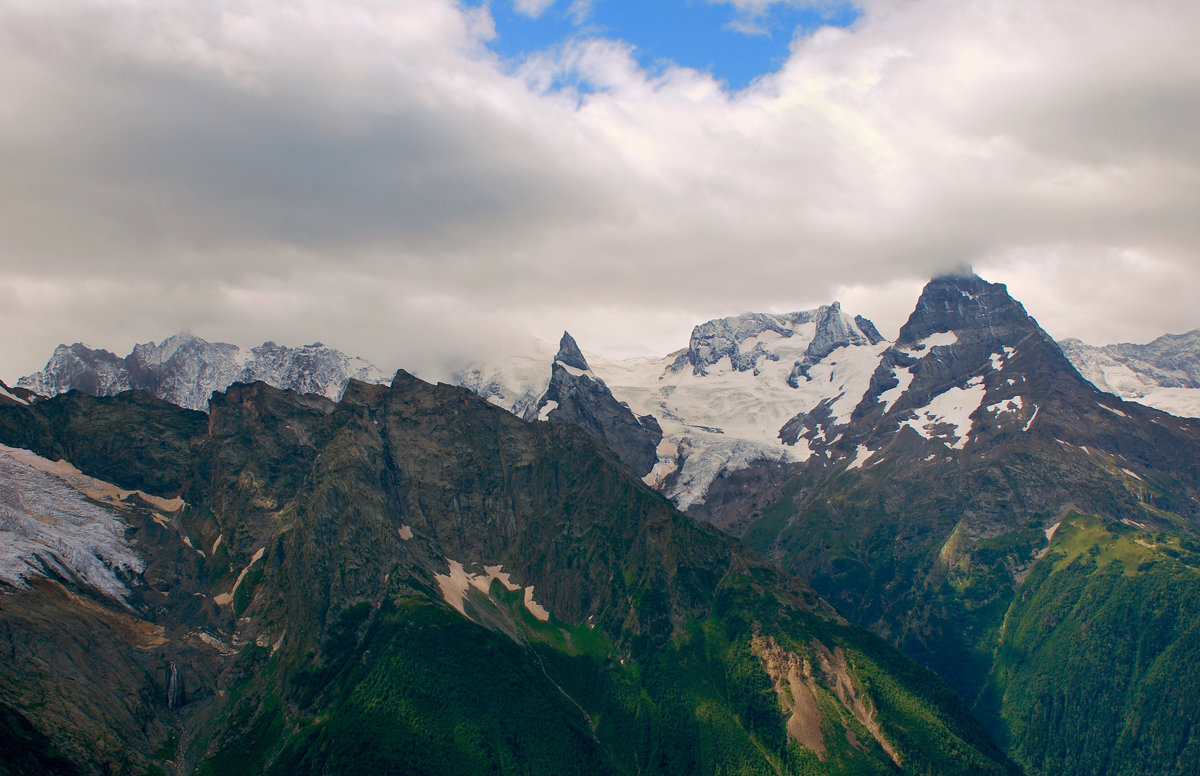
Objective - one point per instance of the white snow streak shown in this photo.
(860, 457)
(889, 397)
(536, 609)
(225, 599)
(953, 407)
(15, 398)
(454, 587)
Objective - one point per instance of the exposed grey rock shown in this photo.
(1171, 361)
(835, 329)
(713, 340)
(581, 398)
(79, 367)
(569, 353)
(868, 329)
(185, 370)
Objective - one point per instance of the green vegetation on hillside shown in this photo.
(413, 687)
(339, 653)
(1095, 672)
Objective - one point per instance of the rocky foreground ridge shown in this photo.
(410, 580)
(963, 491)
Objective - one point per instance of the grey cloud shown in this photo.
(371, 176)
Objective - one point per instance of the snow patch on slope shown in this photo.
(905, 377)
(536, 609)
(922, 347)
(728, 419)
(860, 457)
(51, 525)
(954, 408)
(1012, 405)
(459, 581)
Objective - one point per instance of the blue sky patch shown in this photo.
(709, 36)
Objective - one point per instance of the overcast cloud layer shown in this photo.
(369, 174)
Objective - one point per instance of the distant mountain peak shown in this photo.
(1164, 373)
(570, 354)
(834, 329)
(185, 369)
(746, 339)
(962, 303)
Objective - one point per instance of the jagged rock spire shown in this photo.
(569, 353)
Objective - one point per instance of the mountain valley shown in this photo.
(325, 573)
(412, 580)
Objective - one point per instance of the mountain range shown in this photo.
(1164, 373)
(185, 370)
(284, 575)
(410, 580)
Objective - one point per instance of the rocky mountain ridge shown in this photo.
(413, 580)
(576, 395)
(721, 401)
(934, 513)
(962, 491)
(186, 370)
(1164, 374)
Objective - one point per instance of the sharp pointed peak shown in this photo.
(963, 301)
(570, 354)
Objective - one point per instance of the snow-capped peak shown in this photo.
(185, 370)
(721, 401)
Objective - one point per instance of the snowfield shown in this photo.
(56, 522)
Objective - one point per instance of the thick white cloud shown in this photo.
(367, 173)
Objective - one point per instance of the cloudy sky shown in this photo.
(415, 179)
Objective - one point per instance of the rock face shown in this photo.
(931, 511)
(570, 355)
(576, 395)
(96, 372)
(834, 330)
(720, 402)
(185, 370)
(1164, 374)
(742, 339)
(411, 580)
(21, 396)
